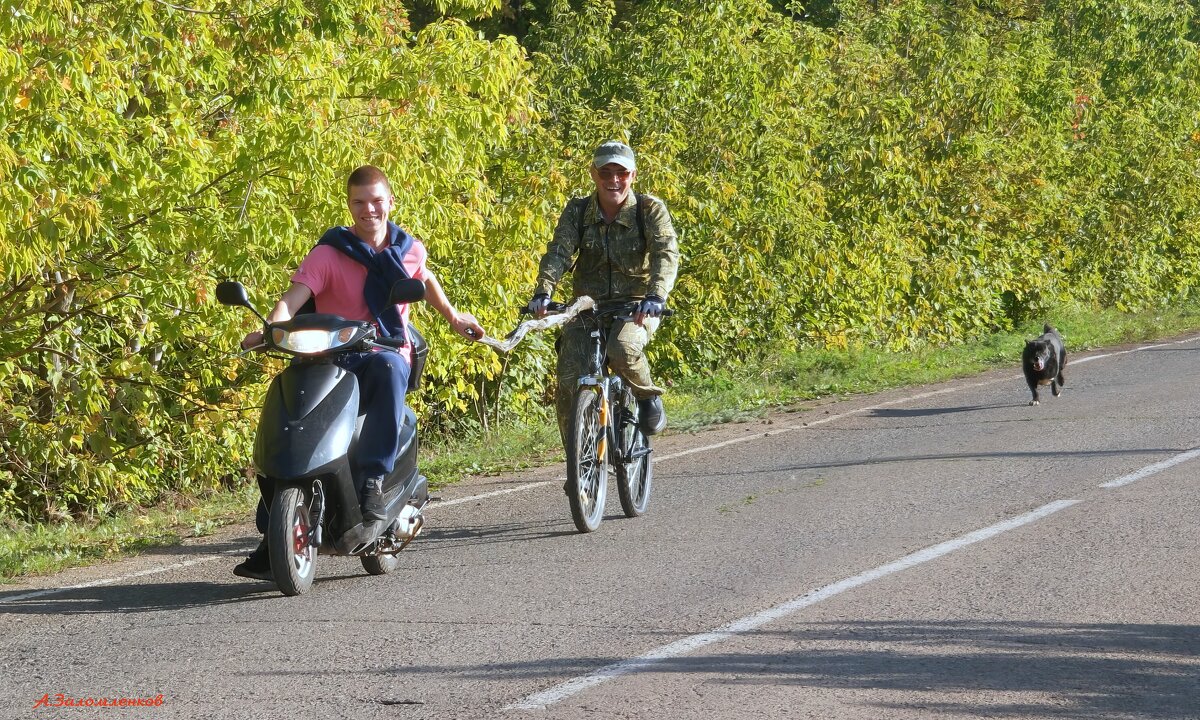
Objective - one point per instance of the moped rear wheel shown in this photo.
(587, 473)
(293, 556)
(380, 564)
(634, 470)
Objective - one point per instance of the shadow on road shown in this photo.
(1151, 453)
(927, 412)
(146, 597)
(461, 535)
(127, 595)
(1010, 670)
(234, 548)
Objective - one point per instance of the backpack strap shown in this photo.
(640, 205)
(579, 222)
(583, 203)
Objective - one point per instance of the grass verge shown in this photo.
(786, 377)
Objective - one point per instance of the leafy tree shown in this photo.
(895, 173)
(153, 149)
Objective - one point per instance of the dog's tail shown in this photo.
(1048, 328)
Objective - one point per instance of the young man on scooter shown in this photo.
(623, 248)
(349, 273)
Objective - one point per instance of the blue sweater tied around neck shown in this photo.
(384, 268)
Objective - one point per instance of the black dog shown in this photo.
(1043, 362)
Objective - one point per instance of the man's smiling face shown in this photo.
(613, 182)
(369, 208)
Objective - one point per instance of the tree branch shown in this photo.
(196, 11)
(160, 388)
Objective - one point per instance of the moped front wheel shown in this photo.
(634, 470)
(289, 533)
(587, 473)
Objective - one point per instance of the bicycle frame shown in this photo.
(614, 394)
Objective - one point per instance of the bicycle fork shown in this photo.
(600, 387)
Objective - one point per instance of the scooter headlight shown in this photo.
(309, 342)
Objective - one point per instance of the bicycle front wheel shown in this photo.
(587, 473)
(634, 470)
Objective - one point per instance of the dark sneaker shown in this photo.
(257, 566)
(651, 417)
(373, 507)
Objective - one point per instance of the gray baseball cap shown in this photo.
(614, 152)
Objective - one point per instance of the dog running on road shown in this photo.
(1043, 362)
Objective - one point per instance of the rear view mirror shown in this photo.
(407, 290)
(231, 292)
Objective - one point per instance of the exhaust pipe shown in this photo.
(408, 524)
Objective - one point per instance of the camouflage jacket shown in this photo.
(615, 262)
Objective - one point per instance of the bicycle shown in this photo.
(605, 431)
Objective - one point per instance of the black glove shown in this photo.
(652, 306)
(537, 304)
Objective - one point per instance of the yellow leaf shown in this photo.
(22, 101)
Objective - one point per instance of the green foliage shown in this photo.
(154, 149)
(844, 175)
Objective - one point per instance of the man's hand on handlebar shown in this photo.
(652, 306)
(538, 305)
(253, 340)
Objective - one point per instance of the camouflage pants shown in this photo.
(626, 356)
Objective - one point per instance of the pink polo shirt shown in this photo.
(337, 282)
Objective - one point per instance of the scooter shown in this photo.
(304, 450)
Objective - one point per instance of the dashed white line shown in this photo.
(1152, 469)
(828, 419)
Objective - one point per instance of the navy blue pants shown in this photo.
(382, 384)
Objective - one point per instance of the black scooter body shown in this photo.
(309, 431)
(308, 421)
(306, 444)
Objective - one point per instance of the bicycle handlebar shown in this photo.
(560, 313)
(555, 308)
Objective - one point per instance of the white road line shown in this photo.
(686, 645)
(494, 493)
(1151, 469)
(1090, 358)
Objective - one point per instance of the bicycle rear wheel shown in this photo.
(635, 469)
(587, 473)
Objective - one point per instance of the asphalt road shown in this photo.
(942, 551)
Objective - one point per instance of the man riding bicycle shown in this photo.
(622, 248)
